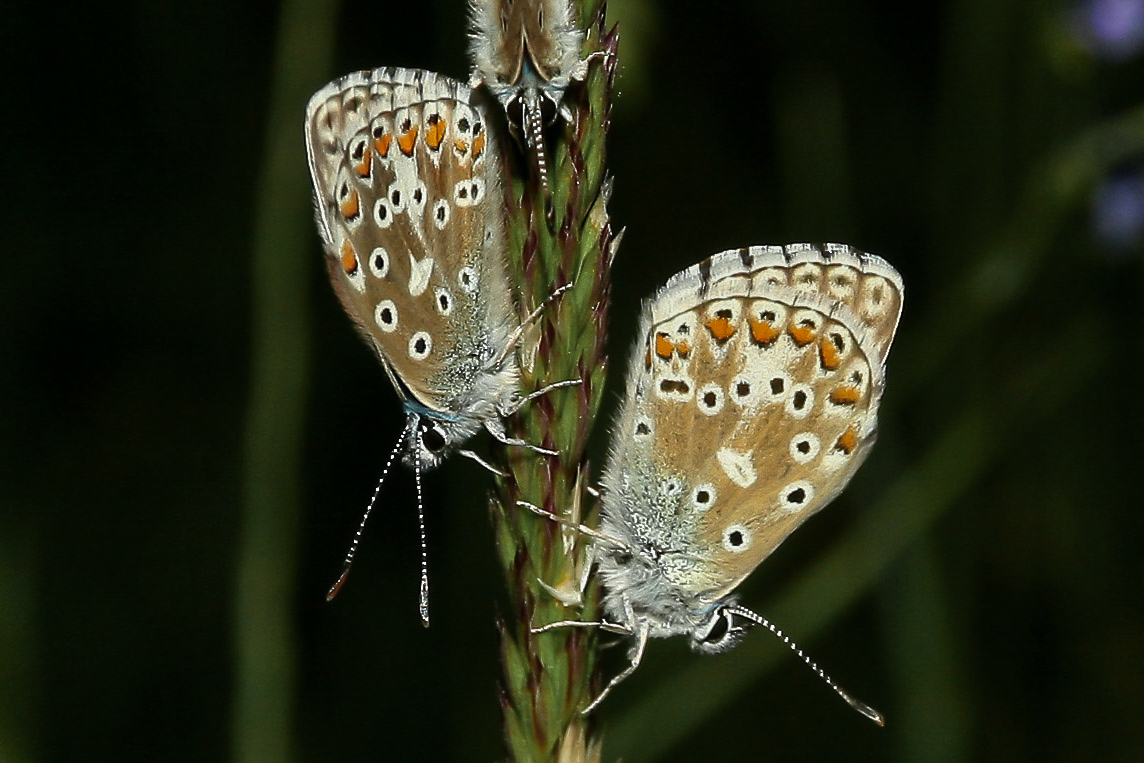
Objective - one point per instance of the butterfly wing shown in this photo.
(752, 399)
(524, 43)
(410, 208)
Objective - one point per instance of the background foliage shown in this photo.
(978, 583)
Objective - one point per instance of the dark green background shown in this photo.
(1000, 511)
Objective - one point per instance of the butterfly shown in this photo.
(410, 209)
(527, 52)
(751, 400)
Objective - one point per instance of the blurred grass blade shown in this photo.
(283, 242)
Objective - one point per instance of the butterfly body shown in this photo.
(528, 49)
(410, 210)
(751, 400)
(527, 52)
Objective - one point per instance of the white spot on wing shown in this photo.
(385, 315)
(710, 399)
(804, 447)
(801, 401)
(379, 262)
(419, 273)
(737, 538)
(420, 345)
(703, 497)
(737, 466)
(467, 278)
(444, 300)
(796, 496)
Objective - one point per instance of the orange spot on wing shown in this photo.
(351, 206)
(382, 144)
(663, 346)
(848, 441)
(349, 258)
(436, 133)
(362, 168)
(647, 359)
(802, 334)
(407, 140)
(460, 146)
(844, 394)
(682, 348)
(763, 332)
(478, 145)
(720, 328)
(829, 354)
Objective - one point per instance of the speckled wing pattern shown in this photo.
(752, 399)
(410, 209)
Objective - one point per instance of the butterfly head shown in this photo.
(433, 435)
(641, 589)
(721, 630)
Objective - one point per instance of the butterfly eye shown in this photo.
(718, 634)
(719, 628)
(432, 438)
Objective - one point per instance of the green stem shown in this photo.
(548, 677)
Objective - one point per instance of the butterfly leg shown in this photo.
(576, 526)
(482, 462)
(574, 597)
(636, 656)
(495, 427)
(579, 73)
(603, 625)
(563, 592)
(517, 405)
(515, 337)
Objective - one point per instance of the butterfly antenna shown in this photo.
(861, 707)
(365, 517)
(533, 122)
(424, 599)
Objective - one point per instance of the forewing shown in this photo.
(754, 401)
(410, 206)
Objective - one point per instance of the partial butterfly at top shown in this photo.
(752, 398)
(410, 208)
(527, 52)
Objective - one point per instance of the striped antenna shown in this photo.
(365, 517)
(861, 707)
